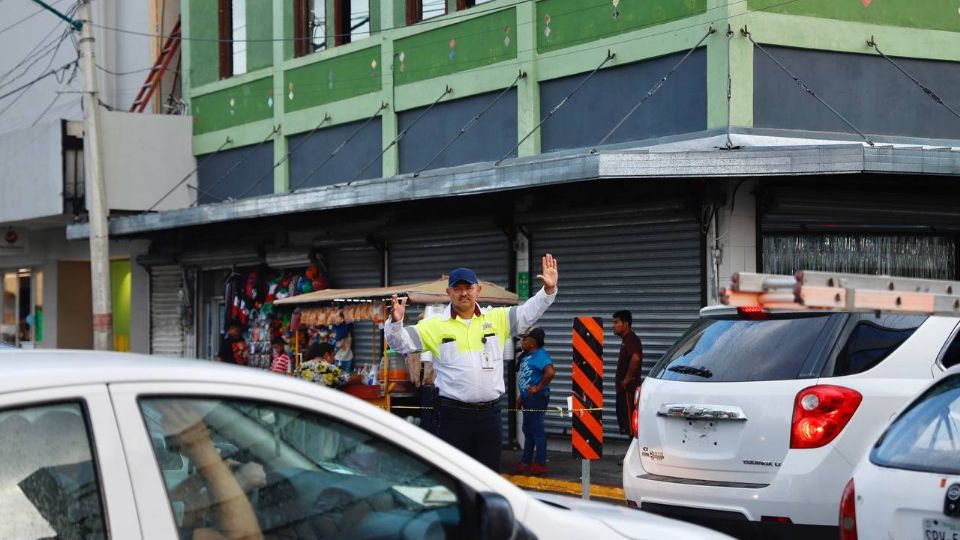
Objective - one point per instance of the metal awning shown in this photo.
(694, 158)
(428, 292)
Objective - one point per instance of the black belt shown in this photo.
(482, 406)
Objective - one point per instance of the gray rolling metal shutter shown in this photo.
(167, 336)
(785, 209)
(646, 259)
(424, 257)
(909, 234)
(355, 267)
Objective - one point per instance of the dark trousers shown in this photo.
(625, 406)
(428, 413)
(477, 433)
(534, 434)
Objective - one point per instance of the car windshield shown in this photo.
(926, 436)
(737, 350)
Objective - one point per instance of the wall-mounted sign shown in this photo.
(14, 242)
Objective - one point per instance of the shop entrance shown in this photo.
(21, 308)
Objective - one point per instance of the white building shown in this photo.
(46, 298)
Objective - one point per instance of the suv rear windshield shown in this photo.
(735, 350)
(926, 437)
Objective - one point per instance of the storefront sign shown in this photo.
(523, 285)
(14, 242)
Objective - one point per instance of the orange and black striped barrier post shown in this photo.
(587, 434)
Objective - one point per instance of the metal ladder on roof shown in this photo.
(170, 47)
(843, 292)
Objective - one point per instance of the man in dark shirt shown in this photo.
(629, 366)
(233, 348)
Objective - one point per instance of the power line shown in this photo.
(653, 90)
(40, 78)
(803, 85)
(339, 147)
(927, 91)
(326, 118)
(38, 53)
(202, 192)
(56, 97)
(471, 123)
(189, 174)
(320, 88)
(610, 56)
(446, 90)
(123, 73)
(30, 16)
(464, 14)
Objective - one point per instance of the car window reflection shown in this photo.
(301, 475)
(48, 483)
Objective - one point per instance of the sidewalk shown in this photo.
(564, 473)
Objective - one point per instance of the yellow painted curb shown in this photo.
(564, 486)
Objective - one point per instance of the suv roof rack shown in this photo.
(843, 292)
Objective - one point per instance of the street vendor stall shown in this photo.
(386, 378)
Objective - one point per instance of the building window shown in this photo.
(465, 4)
(421, 10)
(310, 26)
(233, 37)
(352, 20)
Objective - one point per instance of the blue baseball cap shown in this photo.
(462, 274)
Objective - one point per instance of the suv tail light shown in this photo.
(848, 513)
(635, 414)
(820, 413)
(753, 313)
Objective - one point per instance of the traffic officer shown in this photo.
(467, 344)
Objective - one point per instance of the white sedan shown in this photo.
(101, 445)
(908, 485)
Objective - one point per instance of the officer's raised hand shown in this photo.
(550, 275)
(398, 308)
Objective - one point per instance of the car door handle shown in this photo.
(692, 411)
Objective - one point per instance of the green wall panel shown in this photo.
(233, 107)
(467, 45)
(120, 286)
(333, 79)
(204, 54)
(259, 27)
(929, 14)
(564, 23)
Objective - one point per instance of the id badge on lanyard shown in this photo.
(486, 361)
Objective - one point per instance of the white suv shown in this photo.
(752, 422)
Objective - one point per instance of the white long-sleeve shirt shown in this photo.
(468, 354)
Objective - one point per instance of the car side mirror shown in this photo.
(497, 521)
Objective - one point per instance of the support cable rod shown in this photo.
(805, 88)
(446, 90)
(610, 56)
(927, 91)
(653, 90)
(326, 118)
(189, 174)
(202, 192)
(339, 147)
(471, 123)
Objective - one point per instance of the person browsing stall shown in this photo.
(467, 345)
(233, 346)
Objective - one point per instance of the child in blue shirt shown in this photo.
(535, 373)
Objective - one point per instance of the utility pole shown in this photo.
(96, 190)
